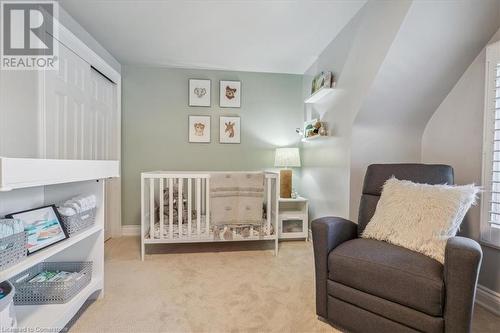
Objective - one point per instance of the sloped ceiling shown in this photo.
(260, 36)
(434, 46)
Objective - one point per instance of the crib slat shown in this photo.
(180, 206)
(268, 208)
(171, 207)
(189, 215)
(151, 208)
(207, 205)
(203, 198)
(198, 206)
(162, 208)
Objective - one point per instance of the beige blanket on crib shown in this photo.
(236, 198)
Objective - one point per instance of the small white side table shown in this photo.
(293, 218)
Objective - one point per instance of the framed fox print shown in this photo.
(229, 130)
(230, 94)
(199, 129)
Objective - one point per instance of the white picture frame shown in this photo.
(199, 129)
(199, 92)
(230, 94)
(229, 129)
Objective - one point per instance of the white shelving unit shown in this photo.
(293, 218)
(314, 138)
(31, 183)
(320, 95)
(18, 173)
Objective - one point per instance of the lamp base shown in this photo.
(286, 183)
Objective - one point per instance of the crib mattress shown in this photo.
(214, 232)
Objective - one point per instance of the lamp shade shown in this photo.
(287, 157)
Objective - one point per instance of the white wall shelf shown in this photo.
(50, 251)
(55, 315)
(18, 173)
(315, 137)
(320, 95)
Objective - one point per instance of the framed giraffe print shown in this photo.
(229, 130)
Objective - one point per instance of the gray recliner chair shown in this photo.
(364, 285)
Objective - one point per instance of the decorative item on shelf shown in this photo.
(199, 129)
(314, 128)
(199, 92)
(229, 130)
(230, 94)
(286, 157)
(322, 80)
(43, 226)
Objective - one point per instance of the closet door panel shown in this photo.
(66, 94)
(19, 113)
(103, 106)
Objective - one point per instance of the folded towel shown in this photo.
(77, 205)
(9, 227)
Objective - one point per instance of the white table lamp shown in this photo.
(286, 158)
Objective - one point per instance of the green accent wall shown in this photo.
(155, 124)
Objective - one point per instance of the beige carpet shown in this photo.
(207, 291)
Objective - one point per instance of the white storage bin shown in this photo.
(7, 313)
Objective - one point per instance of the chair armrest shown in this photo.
(461, 268)
(328, 233)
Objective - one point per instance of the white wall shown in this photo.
(425, 60)
(355, 56)
(454, 136)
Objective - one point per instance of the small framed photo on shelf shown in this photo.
(229, 130)
(199, 129)
(43, 226)
(199, 92)
(322, 80)
(230, 94)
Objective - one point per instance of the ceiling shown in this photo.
(257, 36)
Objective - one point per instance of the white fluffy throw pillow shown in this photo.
(420, 217)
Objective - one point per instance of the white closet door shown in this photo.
(79, 119)
(104, 141)
(104, 116)
(65, 105)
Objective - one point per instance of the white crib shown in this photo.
(194, 190)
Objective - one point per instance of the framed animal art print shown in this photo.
(199, 92)
(230, 94)
(199, 129)
(230, 130)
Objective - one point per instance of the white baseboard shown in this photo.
(488, 299)
(131, 230)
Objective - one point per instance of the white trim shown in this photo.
(488, 299)
(131, 230)
(81, 49)
(489, 234)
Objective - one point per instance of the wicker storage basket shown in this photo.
(12, 249)
(79, 221)
(30, 293)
